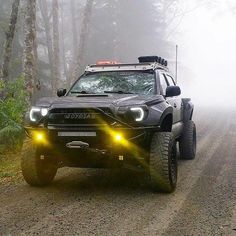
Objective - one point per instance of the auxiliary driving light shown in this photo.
(39, 137)
(118, 137)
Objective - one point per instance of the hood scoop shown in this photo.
(92, 95)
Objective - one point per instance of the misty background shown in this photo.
(71, 34)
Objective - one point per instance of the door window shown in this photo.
(170, 80)
(163, 83)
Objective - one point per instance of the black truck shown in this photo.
(115, 115)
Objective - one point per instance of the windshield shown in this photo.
(142, 83)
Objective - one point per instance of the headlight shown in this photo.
(134, 113)
(138, 112)
(36, 113)
(44, 111)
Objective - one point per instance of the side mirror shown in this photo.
(61, 92)
(172, 91)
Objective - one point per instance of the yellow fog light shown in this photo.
(39, 137)
(118, 137)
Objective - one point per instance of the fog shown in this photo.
(207, 47)
(90, 30)
(123, 30)
(206, 37)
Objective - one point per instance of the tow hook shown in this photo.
(83, 145)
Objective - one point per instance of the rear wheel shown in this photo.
(163, 162)
(37, 170)
(188, 141)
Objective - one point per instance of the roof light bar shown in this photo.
(107, 62)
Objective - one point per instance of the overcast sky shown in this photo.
(207, 45)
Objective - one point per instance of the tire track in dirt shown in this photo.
(189, 174)
(208, 209)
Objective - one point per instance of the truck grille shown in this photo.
(79, 116)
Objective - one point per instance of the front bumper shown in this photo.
(102, 151)
(103, 137)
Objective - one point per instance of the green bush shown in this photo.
(12, 108)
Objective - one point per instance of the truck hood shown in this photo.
(99, 101)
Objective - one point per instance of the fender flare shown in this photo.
(167, 111)
(188, 108)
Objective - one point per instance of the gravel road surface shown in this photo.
(104, 202)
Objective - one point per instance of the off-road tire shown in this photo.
(187, 142)
(36, 171)
(163, 162)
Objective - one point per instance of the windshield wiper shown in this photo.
(119, 92)
(82, 92)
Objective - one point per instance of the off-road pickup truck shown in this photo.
(115, 115)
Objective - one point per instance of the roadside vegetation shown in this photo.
(12, 107)
(10, 168)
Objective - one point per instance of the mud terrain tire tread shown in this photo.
(187, 143)
(161, 151)
(32, 170)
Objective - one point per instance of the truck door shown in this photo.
(164, 84)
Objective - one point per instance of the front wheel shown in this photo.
(163, 162)
(36, 168)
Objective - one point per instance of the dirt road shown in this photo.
(101, 202)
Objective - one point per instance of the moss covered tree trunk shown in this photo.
(9, 41)
(29, 47)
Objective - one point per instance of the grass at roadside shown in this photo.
(10, 170)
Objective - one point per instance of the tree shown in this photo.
(56, 52)
(74, 41)
(46, 21)
(117, 34)
(29, 48)
(84, 33)
(74, 27)
(9, 41)
(62, 44)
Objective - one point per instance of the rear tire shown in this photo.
(163, 162)
(188, 141)
(37, 170)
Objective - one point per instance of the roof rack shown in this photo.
(157, 59)
(145, 63)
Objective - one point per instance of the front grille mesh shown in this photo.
(79, 116)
